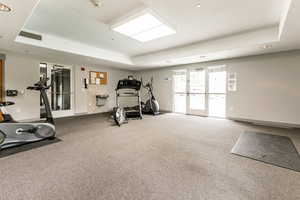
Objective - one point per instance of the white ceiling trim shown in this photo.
(236, 41)
(283, 36)
(207, 48)
(65, 45)
(12, 22)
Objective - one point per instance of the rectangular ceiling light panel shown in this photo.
(144, 28)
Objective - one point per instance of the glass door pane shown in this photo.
(217, 82)
(197, 92)
(43, 75)
(197, 102)
(180, 103)
(217, 105)
(61, 89)
(217, 92)
(180, 91)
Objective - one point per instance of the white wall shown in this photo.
(268, 87)
(22, 71)
(85, 99)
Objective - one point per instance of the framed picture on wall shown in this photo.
(232, 82)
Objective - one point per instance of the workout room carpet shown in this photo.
(167, 157)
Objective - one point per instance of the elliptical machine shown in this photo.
(14, 133)
(151, 106)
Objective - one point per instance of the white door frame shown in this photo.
(188, 94)
(62, 113)
(199, 112)
(173, 89)
(189, 111)
(212, 69)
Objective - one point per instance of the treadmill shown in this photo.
(130, 88)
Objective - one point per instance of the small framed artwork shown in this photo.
(232, 82)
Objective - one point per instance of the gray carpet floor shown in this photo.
(167, 157)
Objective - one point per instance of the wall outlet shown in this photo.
(22, 92)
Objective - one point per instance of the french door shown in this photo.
(217, 84)
(190, 92)
(200, 91)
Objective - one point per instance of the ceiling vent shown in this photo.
(30, 35)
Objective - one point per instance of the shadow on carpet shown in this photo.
(272, 149)
(27, 147)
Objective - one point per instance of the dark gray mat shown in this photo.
(272, 149)
(27, 147)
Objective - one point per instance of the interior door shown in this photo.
(1, 81)
(197, 92)
(1, 88)
(61, 93)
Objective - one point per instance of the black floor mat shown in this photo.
(27, 147)
(271, 149)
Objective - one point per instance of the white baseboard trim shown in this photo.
(266, 123)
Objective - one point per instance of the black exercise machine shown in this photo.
(14, 133)
(151, 106)
(128, 88)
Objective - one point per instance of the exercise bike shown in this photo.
(151, 106)
(14, 133)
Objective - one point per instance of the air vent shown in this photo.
(199, 69)
(30, 35)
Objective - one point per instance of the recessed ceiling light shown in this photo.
(189, 59)
(97, 3)
(198, 5)
(267, 46)
(144, 28)
(4, 8)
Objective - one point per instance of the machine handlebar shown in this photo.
(41, 85)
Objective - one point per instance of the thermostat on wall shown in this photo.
(11, 93)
